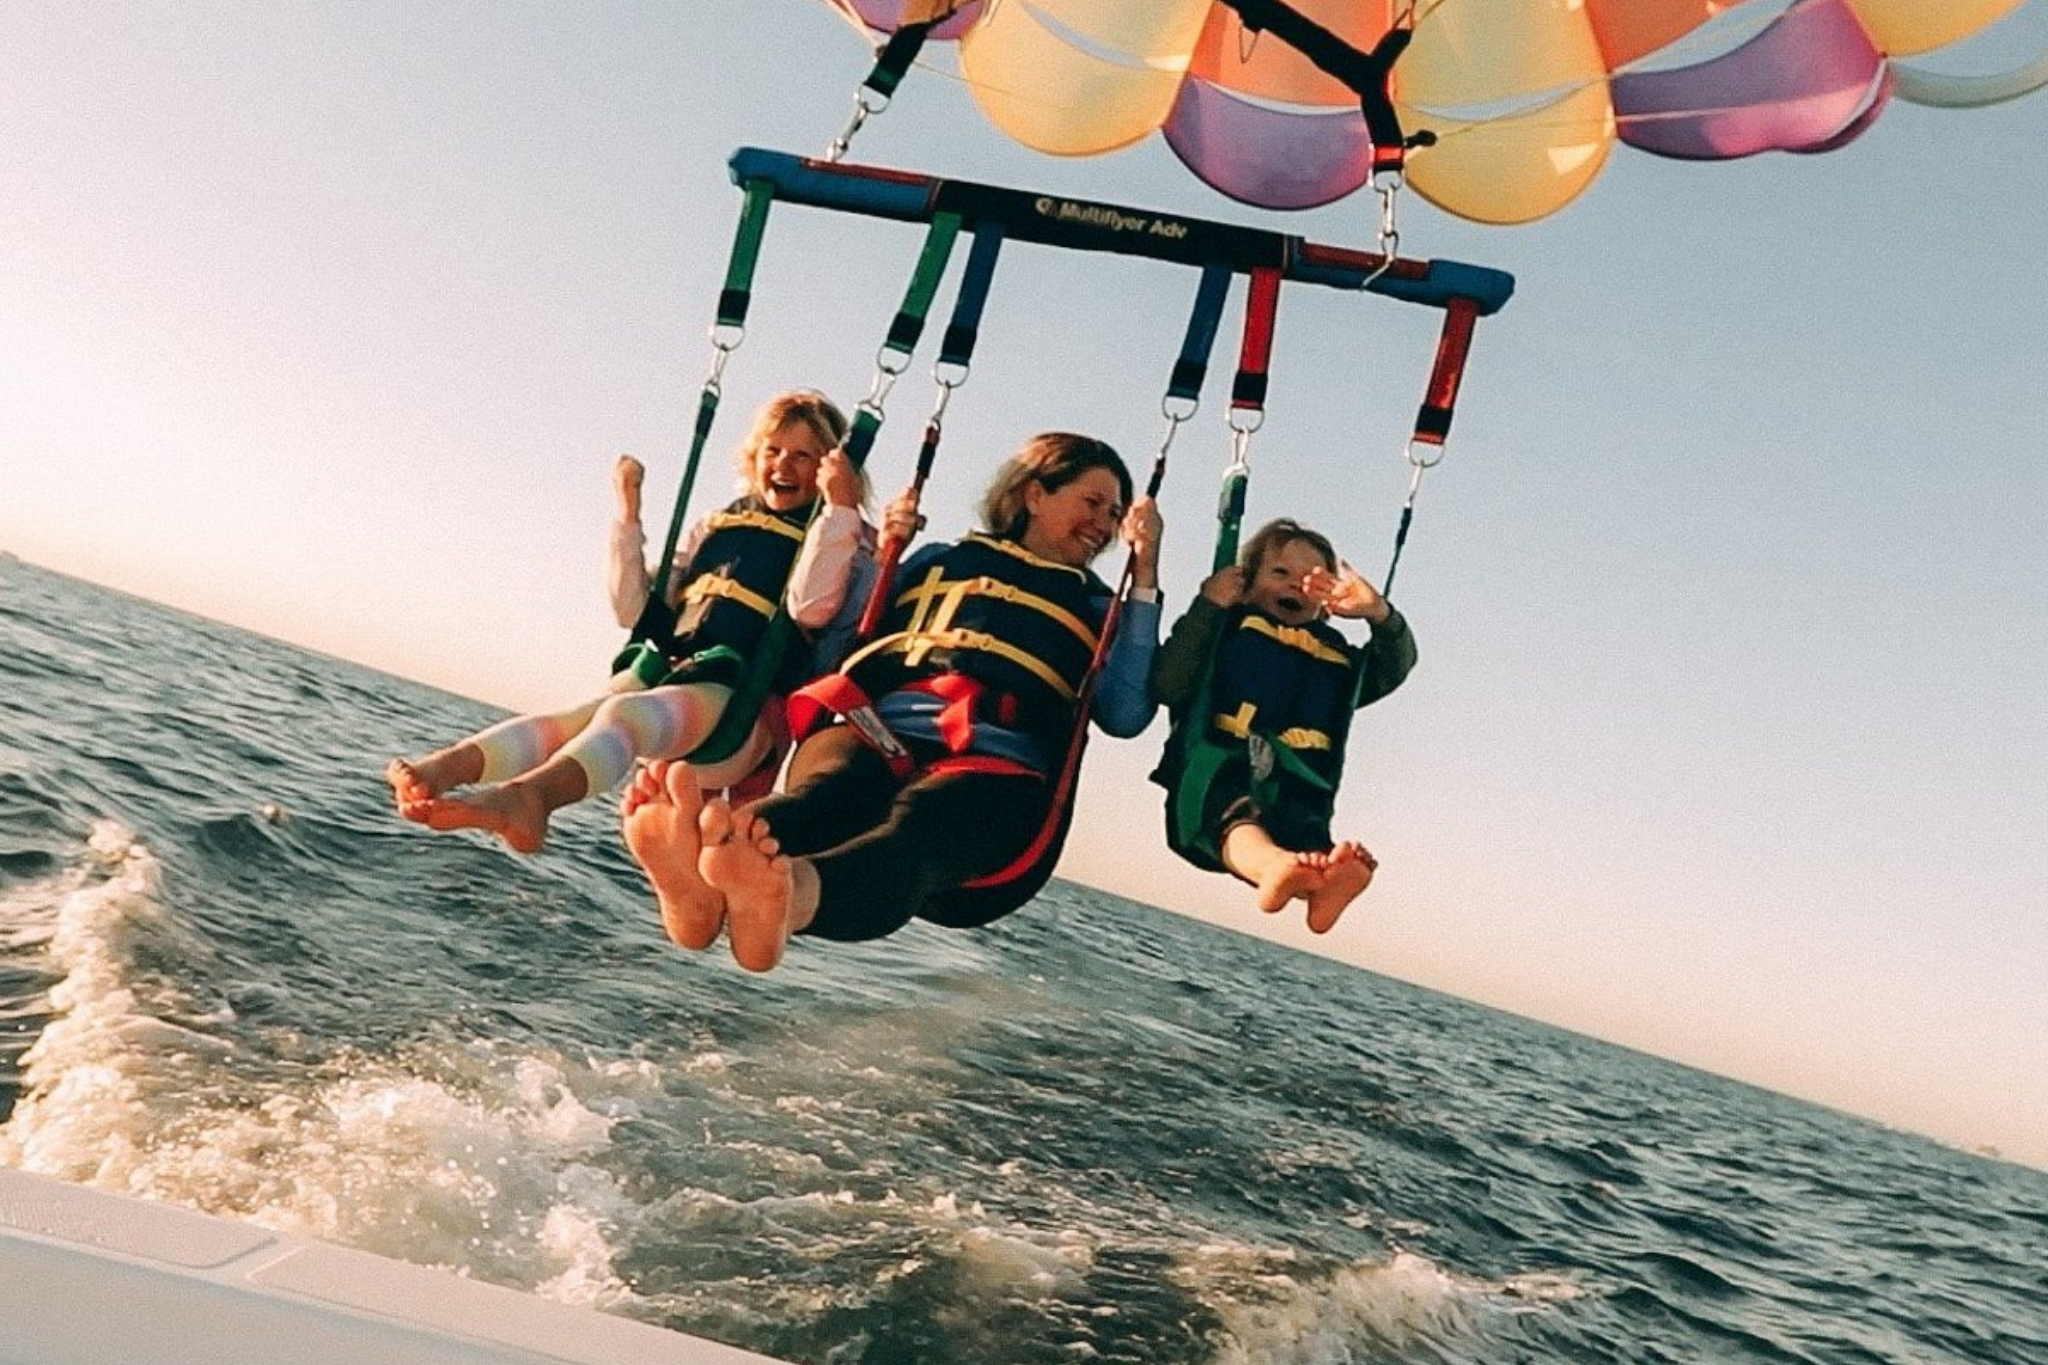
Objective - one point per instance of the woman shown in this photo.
(952, 771)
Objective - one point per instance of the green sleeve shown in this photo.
(1386, 659)
(1179, 666)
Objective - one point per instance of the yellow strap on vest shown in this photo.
(1299, 738)
(915, 647)
(719, 585)
(760, 521)
(1297, 637)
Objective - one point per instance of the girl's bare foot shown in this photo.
(415, 782)
(741, 858)
(1347, 870)
(514, 811)
(409, 791)
(659, 818)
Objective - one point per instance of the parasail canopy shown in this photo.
(1520, 102)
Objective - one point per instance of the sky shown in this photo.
(1727, 742)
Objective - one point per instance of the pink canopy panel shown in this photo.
(1525, 99)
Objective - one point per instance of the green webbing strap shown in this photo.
(924, 283)
(1229, 516)
(657, 621)
(743, 708)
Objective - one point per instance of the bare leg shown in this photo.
(1278, 874)
(1347, 870)
(1327, 881)
(416, 782)
(768, 896)
(660, 813)
(515, 811)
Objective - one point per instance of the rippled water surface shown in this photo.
(230, 979)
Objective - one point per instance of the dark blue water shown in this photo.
(231, 979)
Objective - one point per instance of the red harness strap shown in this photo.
(836, 694)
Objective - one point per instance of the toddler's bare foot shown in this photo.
(741, 858)
(1347, 871)
(514, 811)
(1290, 878)
(659, 817)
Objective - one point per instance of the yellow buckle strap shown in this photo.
(1296, 637)
(760, 521)
(719, 585)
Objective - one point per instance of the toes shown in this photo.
(715, 822)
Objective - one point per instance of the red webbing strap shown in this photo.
(1433, 419)
(1261, 304)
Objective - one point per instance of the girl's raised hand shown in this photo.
(627, 475)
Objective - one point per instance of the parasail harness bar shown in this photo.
(1086, 225)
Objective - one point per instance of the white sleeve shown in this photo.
(824, 567)
(628, 574)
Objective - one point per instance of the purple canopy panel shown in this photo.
(1801, 84)
(1861, 123)
(1272, 158)
(883, 16)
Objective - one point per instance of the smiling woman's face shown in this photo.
(786, 466)
(1071, 524)
(1275, 587)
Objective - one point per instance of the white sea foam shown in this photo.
(1290, 1317)
(474, 1158)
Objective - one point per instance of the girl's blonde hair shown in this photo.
(1052, 459)
(808, 406)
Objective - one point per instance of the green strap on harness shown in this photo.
(743, 708)
(657, 621)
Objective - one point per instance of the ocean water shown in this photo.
(232, 980)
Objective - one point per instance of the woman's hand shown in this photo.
(838, 480)
(627, 476)
(1141, 531)
(901, 521)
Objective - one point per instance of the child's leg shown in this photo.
(1278, 874)
(503, 751)
(1328, 880)
(663, 723)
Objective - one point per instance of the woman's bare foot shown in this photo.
(1347, 870)
(659, 818)
(741, 858)
(514, 811)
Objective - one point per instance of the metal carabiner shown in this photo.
(1386, 184)
(863, 110)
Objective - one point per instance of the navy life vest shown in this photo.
(1023, 628)
(737, 579)
(1272, 716)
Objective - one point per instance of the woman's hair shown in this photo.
(1052, 459)
(808, 406)
(1276, 535)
